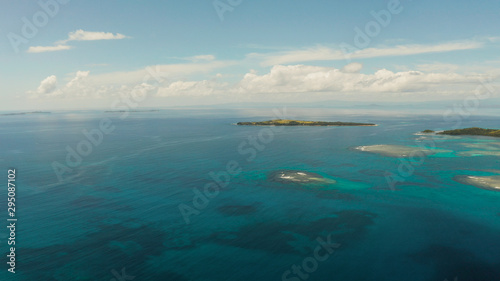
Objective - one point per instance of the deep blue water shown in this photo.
(119, 208)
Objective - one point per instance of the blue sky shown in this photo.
(257, 51)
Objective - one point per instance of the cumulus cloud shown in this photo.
(353, 67)
(438, 67)
(82, 86)
(304, 80)
(76, 87)
(47, 86)
(307, 79)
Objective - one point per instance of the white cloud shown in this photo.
(42, 49)
(322, 53)
(438, 67)
(308, 79)
(282, 80)
(76, 87)
(47, 86)
(189, 88)
(403, 50)
(84, 85)
(82, 35)
(79, 35)
(354, 67)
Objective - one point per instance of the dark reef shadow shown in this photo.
(95, 255)
(450, 261)
(346, 228)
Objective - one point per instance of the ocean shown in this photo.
(188, 195)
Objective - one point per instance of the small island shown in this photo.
(428, 131)
(485, 182)
(472, 132)
(286, 122)
(131, 111)
(299, 177)
(25, 113)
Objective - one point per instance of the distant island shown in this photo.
(133, 111)
(469, 132)
(284, 122)
(24, 113)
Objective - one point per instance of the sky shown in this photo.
(75, 54)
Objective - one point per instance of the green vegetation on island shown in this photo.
(428, 131)
(285, 122)
(472, 132)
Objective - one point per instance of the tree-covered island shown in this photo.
(472, 132)
(286, 122)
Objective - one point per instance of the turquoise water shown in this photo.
(119, 208)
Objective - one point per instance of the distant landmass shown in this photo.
(24, 113)
(284, 122)
(121, 111)
(470, 132)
